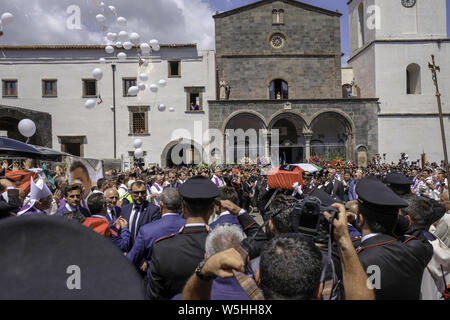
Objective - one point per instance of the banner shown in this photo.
(94, 168)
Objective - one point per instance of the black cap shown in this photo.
(41, 257)
(377, 197)
(199, 187)
(398, 179)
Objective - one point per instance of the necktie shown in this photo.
(135, 220)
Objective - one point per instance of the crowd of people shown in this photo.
(221, 232)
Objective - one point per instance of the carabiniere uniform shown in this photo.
(394, 265)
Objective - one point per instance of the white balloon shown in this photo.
(127, 45)
(141, 86)
(90, 103)
(145, 48)
(135, 38)
(137, 143)
(138, 153)
(171, 109)
(162, 83)
(109, 49)
(121, 21)
(111, 36)
(119, 44)
(156, 48)
(123, 36)
(102, 60)
(27, 127)
(153, 88)
(133, 91)
(112, 9)
(143, 77)
(100, 18)
(162, 107)
(97, 73)
(122, 56)
(7, 18)
(154, 43)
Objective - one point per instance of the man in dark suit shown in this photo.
(334, 187)
(140, 212)
(172, 180)
(226, 193)
(170, 223)
(395, 265)
(114, 212)
(74, 193)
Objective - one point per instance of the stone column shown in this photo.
(308, 136)
(267, 144)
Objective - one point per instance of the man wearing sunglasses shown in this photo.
(140, 212)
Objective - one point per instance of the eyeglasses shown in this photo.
(139, 192)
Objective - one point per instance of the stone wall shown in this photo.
(359, 115)
(11, 116)
(309, 61)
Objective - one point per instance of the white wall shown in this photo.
(71, 118)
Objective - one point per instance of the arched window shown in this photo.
(278, 16)
(361, 25)
(278, 90)
(413, 81)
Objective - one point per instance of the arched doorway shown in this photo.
(291, 140)
(332, 136)
(243, 139)
(181, 153)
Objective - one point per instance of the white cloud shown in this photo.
(169, 21)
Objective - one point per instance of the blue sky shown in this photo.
(333, 5)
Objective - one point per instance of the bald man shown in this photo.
(112, 197)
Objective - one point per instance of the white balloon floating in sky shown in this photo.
(119, 44)
(153, 88)
(90, 104)
(112, 9)
(145, 48)
(156, 48)
(27, 127)
(162, 83)
(137, 143)
(135, 38)
(111, 36)
(7, 19)
(121, 21)
(123, 36)
(100, 18)
(127, 45)
(171, 109)
(122, 56)
(162, 107)
(141, 86)
(154, 43)
(138, 153)
(102, 60)
(109, 49)
(133, 91)
(143, 77)
(97, 73)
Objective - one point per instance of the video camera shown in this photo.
(308, 219)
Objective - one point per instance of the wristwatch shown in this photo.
(198, 272)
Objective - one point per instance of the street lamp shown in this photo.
(113, 66)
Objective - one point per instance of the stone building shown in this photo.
(58, 80)
(282, 61)
(391, 43)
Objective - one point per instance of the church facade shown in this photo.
(278, 66)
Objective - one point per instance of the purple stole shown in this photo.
(157, 187)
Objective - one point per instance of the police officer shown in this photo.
(395, 265)
(175, 257)
(399, 183)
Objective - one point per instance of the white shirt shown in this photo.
(134, 218)
(220, 182)
(368, 236)
(111, 212)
